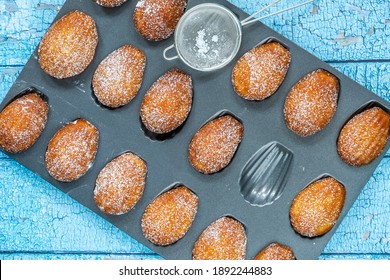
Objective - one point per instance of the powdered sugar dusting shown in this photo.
(167, 103)
(311, 103)
(215, 144)
(140, 3)
(72, 150)
(260, 72)
(22, 122)
(119, 76)
(275, 251)
(364, 137)
(201, 44)
(157, 19)
(316, 209)
(69, 45)
(208, 37)
(120, 184)
(110, 3)
(224, 239)
(168, 218)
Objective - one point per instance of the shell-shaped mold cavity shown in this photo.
(264, 176)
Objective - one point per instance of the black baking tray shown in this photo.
(219, 194)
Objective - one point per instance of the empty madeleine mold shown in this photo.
(264, 176)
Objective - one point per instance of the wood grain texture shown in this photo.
(37, 221)
(334, 30)
(330, 29)
(38, 217)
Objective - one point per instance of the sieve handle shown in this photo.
(252, 18)
(165, 53)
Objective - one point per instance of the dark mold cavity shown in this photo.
(123, 153)
(272, 39)
(219, 114)
(94, 97)
(366, 106)
(264, 177)
(175, 186)
(28, 91)
(161, 137)
(320, 177)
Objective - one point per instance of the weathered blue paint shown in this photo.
(39, 222)
(83, 256)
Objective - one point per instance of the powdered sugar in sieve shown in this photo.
(208, 36)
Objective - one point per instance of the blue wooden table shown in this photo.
(37, 221)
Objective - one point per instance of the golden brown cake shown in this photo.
(214, 145)
(22, 122)
(224, 239)
(316, 208)
(120, 184)
(259, 73)
(311, 103)
(119, 76)
(167, 103)
(364, 137)
(110, 3)
(156, 20)
(168, 218)
(275, 251)
(72, 151)
(69, 45)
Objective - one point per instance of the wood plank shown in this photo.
(330, 29)
(366, 226)
(86, 256)
(77, 256)
(335, 30)
(22, 26)
(354, 257)
(36, 217)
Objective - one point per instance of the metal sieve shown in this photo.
(208, 36)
